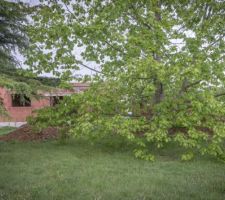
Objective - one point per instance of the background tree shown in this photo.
(161, 68)
(12, 29)
(14, 41)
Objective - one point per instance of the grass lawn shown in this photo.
(78, 170)
(5, 130)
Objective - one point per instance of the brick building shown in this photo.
(18, 111)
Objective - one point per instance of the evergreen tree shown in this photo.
(12, 32)
(14, 40)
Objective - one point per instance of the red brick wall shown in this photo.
(19, 114)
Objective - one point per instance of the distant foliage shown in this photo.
(161, 70)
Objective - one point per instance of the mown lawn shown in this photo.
(5, 130)
(78, 170)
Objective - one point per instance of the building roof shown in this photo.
(80, 84)
(77, 88)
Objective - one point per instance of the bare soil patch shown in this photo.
(25, 133)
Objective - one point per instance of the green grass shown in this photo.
(78, 170)
(5, 130)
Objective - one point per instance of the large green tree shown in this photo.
(160, 74)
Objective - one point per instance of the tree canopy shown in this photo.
(160, 75)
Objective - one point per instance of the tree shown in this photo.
(161, 68)
(12, 29)
(13, 39)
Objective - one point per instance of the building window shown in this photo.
(54, 100)
(20, 100)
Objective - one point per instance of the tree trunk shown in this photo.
(159, 93)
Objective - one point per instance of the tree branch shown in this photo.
(137, 18)
(193, 84)
(219, 95)
(90, 68)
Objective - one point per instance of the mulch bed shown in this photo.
(25, 133)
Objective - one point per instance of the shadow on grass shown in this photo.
(112, 144)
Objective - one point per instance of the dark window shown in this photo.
(54, 100)
(20, 100)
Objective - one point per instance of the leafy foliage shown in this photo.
(161, 70)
